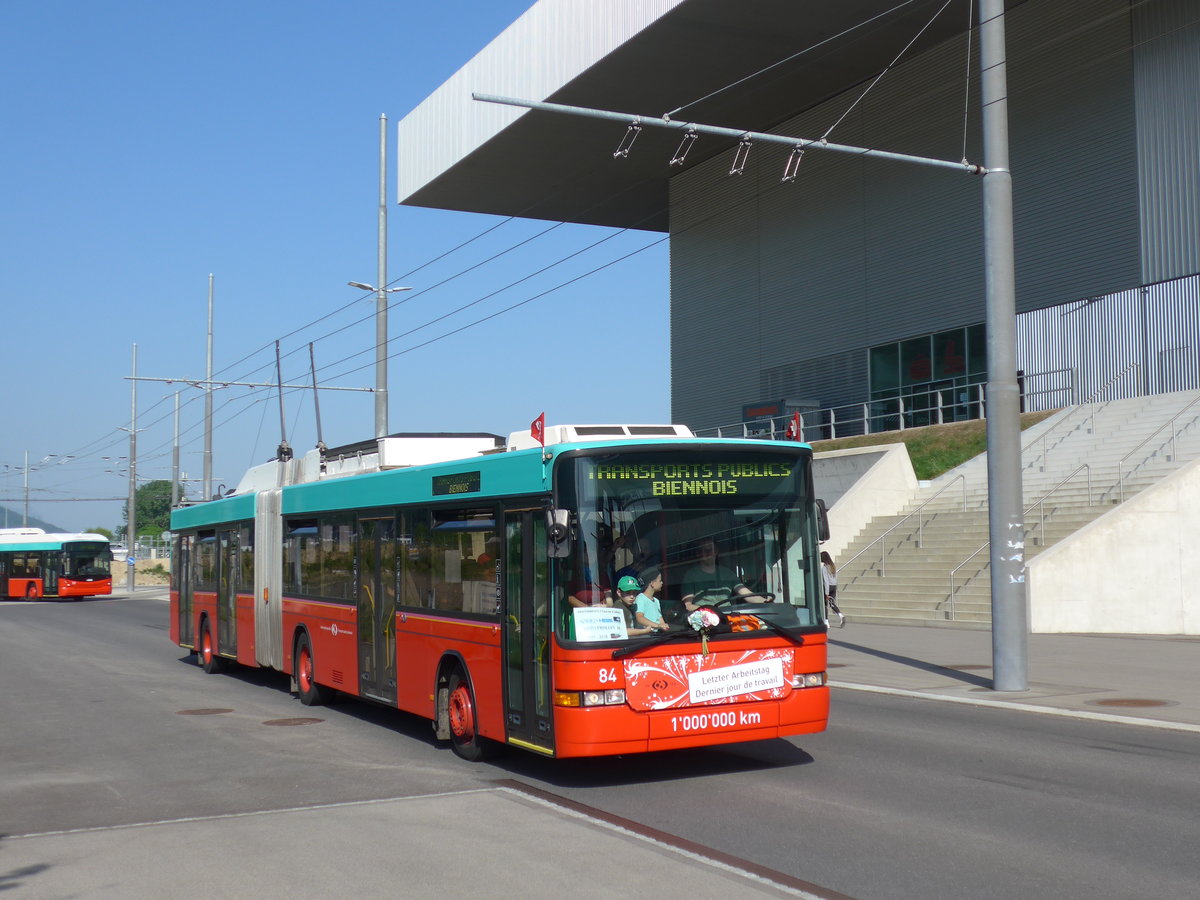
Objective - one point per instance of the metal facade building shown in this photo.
(782, 289)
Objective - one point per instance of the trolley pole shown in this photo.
(131, 518)
(1006, 525)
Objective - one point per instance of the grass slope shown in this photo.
(934, 449)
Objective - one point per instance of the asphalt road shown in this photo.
(103, 722)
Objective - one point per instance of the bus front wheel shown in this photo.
(311, 693)
(205, 655)
(464, 726)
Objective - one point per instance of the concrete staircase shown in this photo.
(930, 563)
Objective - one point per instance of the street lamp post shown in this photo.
(381, 342)
(381, 292)
(131, 518)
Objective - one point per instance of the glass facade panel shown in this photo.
(932, 378)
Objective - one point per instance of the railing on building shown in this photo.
(1052, 389)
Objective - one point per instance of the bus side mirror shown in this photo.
(822, 521)
(558, 533)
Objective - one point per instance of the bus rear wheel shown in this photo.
(31, 592)
(464, 726)
(205, 655)
(311, 693)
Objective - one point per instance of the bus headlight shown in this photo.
(603, 698)
(809, 679)
(589, 698)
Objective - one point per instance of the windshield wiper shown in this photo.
(622, 652)
(655, 641)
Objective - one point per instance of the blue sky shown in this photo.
(148, 144)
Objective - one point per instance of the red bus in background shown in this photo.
(35, 564)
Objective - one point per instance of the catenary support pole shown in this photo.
(1006, 526)
(175, 458)
(131, 518)
(381, 301)
(208, 398)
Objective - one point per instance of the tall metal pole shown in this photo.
(175, 458)
(208, 398)
(131, 526)
(381, 332)
(1006, 525)
(25, 517)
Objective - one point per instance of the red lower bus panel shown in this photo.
(333, 630)
(246, 650)
(421, 643)
(68, 587)
(204, 605)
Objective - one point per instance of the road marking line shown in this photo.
(1022, 707)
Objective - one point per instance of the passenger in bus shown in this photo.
(590, 594)
(627, 591)
(649, 610)
(709, 576)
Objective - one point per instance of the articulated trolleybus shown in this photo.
(35, 564)
(478, 583)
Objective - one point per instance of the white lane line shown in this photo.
(1022, 707)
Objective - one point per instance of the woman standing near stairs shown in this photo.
(829, 577)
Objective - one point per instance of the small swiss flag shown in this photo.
(793, 429)
(537, 429)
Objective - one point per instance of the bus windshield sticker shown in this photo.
(459, 483)
(599, 623)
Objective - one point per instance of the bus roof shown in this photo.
(37, 539)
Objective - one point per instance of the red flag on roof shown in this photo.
(537, 429)
(793, 429)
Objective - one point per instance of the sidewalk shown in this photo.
(1136, 679)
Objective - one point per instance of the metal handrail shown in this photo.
(920, 525)
(1174, 453)
(1041, 504)
(1086, 404)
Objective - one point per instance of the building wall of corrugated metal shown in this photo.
(779, 289)
(1166, 35)
(1141, 341)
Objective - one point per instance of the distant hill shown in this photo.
(11, 518)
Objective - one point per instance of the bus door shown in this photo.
(50, 571)
(526, 618)
(377, 609)
(227, 547)
(183, 580)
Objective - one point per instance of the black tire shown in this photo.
(464, 725)
(31, 591)
(206, 655)
(310, 693)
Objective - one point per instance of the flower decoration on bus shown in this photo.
(704, 620)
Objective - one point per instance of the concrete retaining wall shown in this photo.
(859, 484)
(1135, 570)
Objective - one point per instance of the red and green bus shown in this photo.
(470, 580)
(35, 564)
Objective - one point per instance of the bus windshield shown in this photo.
(87, 560)
(728, 529)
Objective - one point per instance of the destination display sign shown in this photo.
(459, 483)
(668, 479)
